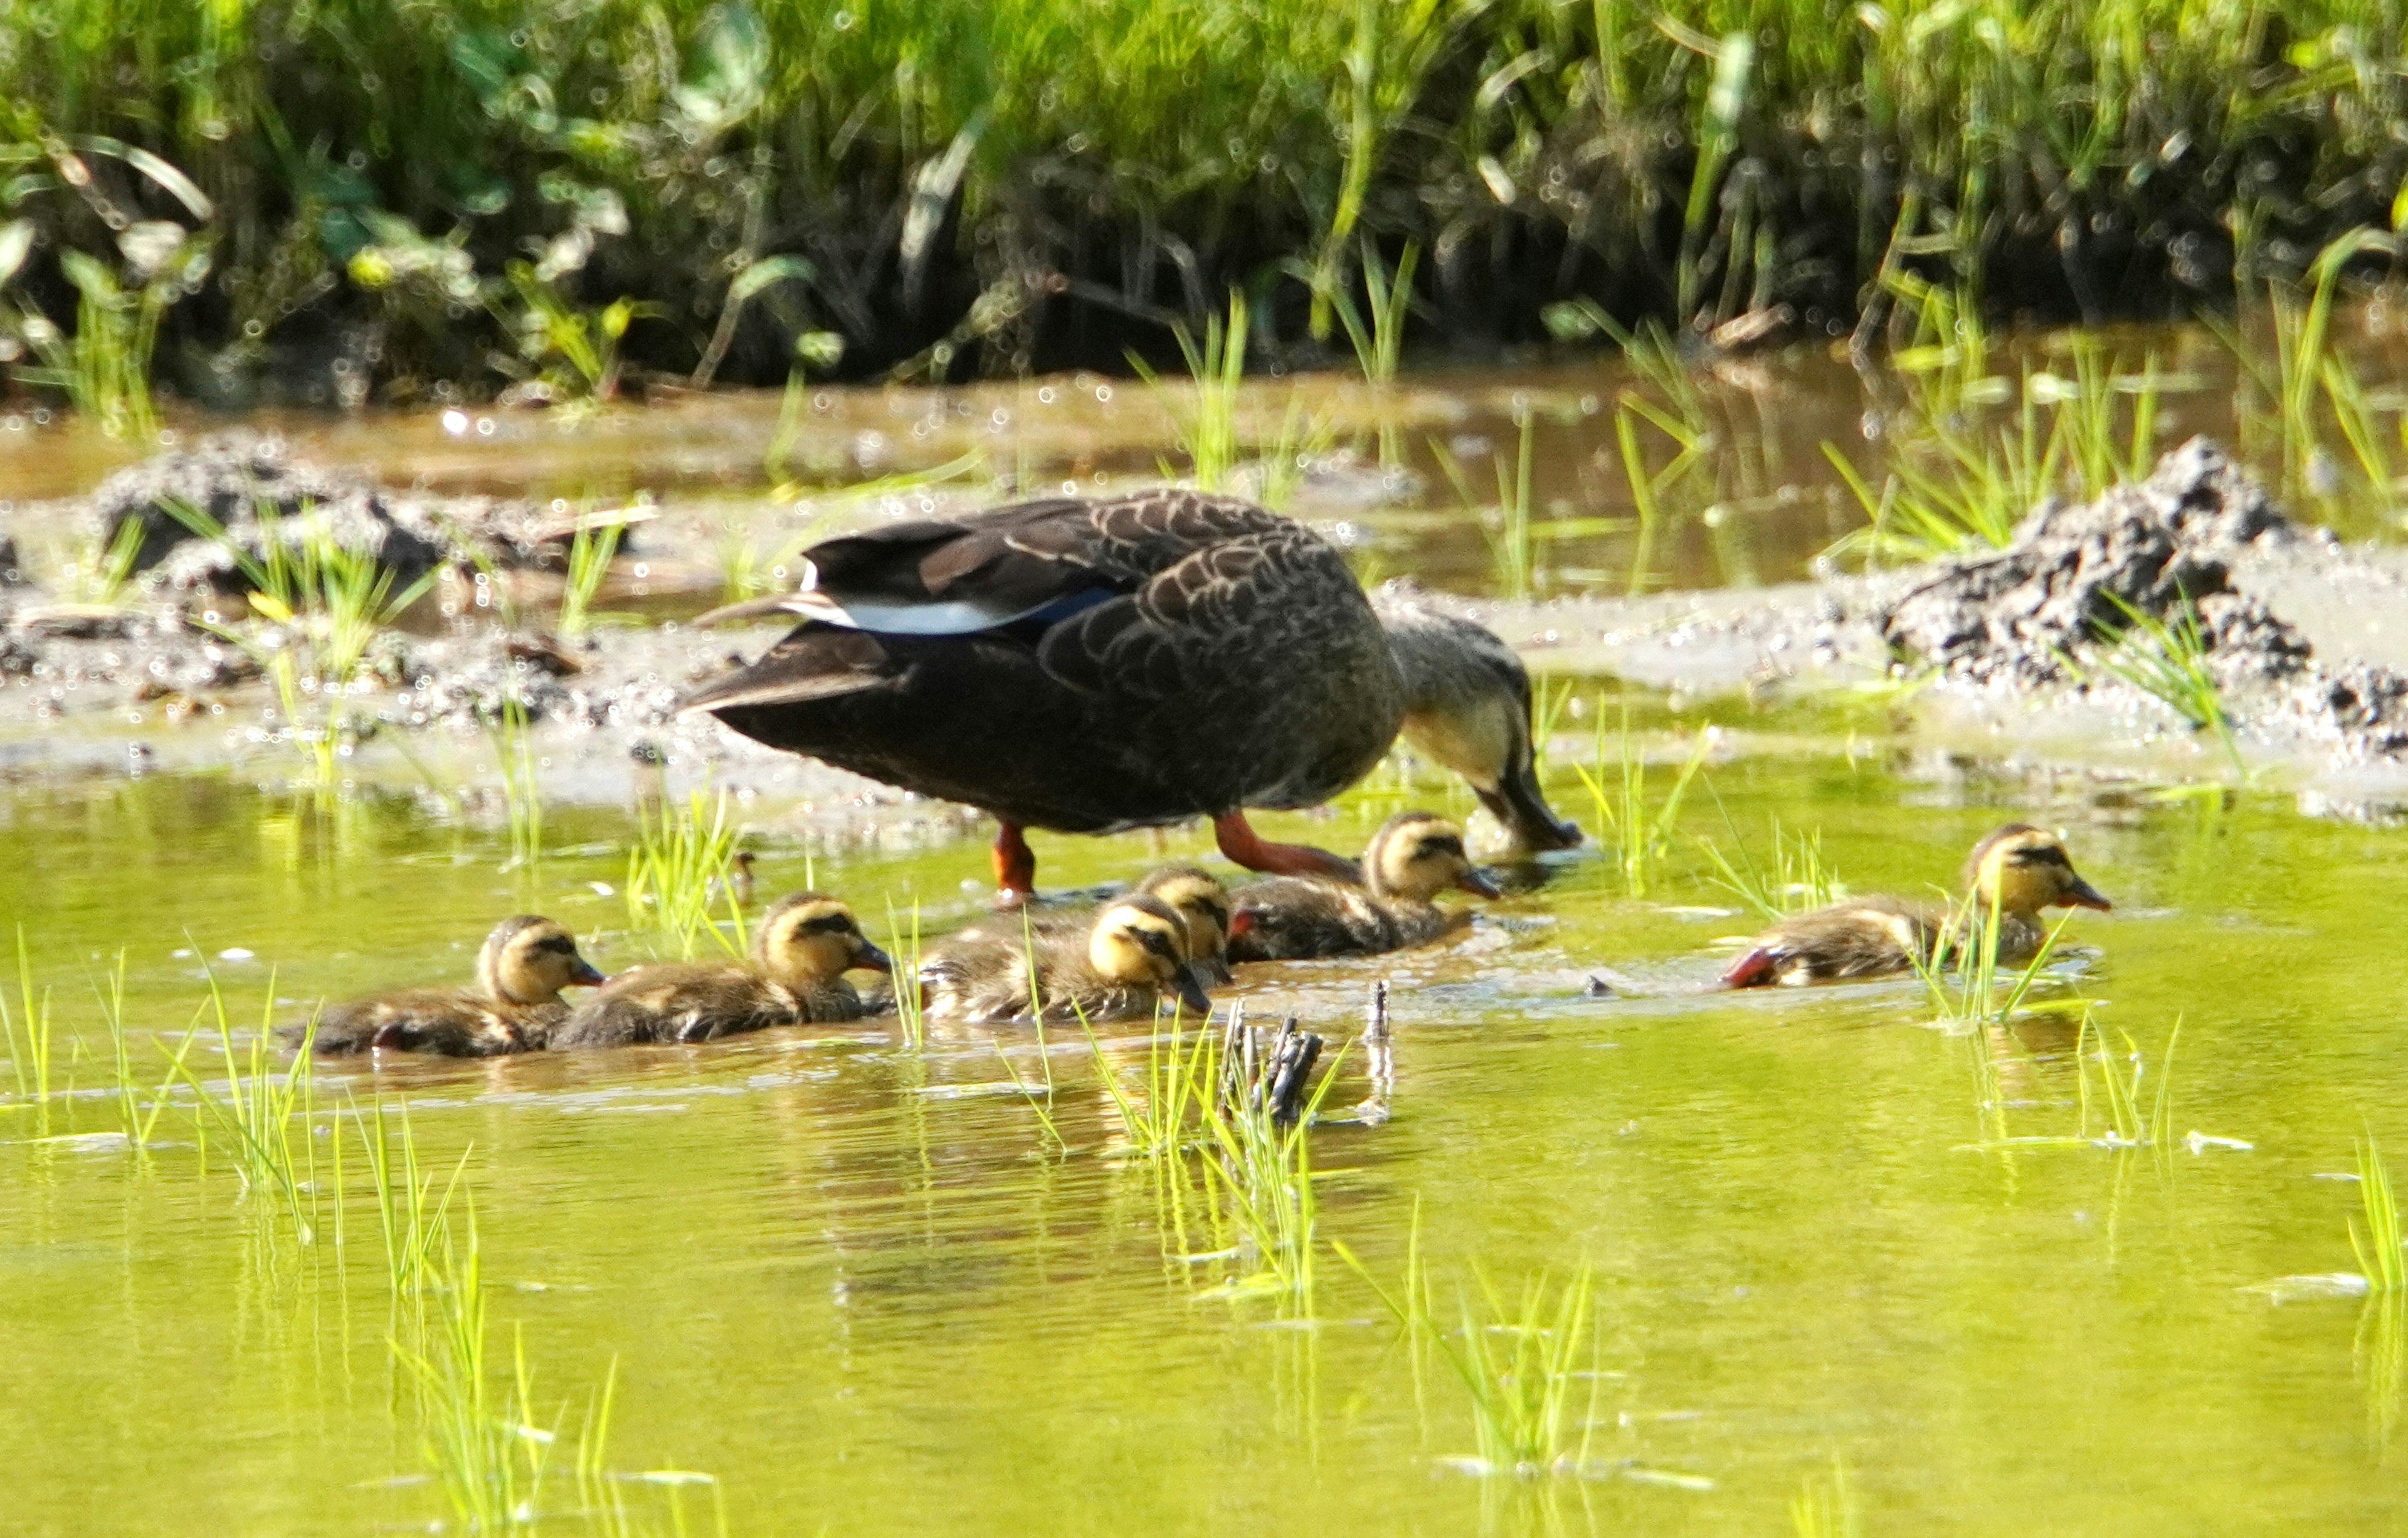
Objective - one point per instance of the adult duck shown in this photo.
(1090, 666)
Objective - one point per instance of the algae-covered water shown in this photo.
(859, 1288)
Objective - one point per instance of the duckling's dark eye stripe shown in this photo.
(1215, 911)
(829, 924)
(560, 944)
(2043, 854)
(1444, 844)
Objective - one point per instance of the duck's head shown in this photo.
(1417, 856)
(2023, 870)
(1468, 706)
(528, 960)
(1199, 898)
(808, 939)
(1140, 942)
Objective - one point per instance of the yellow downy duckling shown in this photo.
(1414, 858)
(2018, 871)
(514, 1007)
(1196, 892)
(1117, 967)
(805, 945)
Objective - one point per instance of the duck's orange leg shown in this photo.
(1243, 844)
(1015, 866)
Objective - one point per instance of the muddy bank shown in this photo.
(2005, 653)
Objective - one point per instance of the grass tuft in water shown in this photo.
(1824, 1505)
(514, 743)
(681, 865)
(591, 551)
(2377, 1241)
(1962, 974)
(1206, 421)
(1640, 833)
(27, 1033)
(265, 1113)
(2168, 661)
(1798, 880)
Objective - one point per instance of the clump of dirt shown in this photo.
(252, 487)
(2077, 571)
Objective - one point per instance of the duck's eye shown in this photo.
(2043, 855)
(557, 945)
(1156, 941)
(1442, 846)
(831, 923)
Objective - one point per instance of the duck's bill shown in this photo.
(1480, 882)
(873, 958)
(2084, 895)
(1189, 989)
(583, 971)
(1522, 806)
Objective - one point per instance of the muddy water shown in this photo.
(859, 1288)
(1409, 476)
(856, 1284)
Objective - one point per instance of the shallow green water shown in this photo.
(856, 1284)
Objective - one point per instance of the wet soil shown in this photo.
(2306, 637)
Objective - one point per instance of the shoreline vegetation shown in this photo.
(363, 200)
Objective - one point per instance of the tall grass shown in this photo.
(528, 185)
(2377, 1241)
(1798, 880)
(680, 867)
(1205, 413)
(27, 1033)
(1962, 974)
(591, 551)
(2168, 660)
(512, 738)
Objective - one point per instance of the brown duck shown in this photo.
(1119, 966)
(1128, 662)
(1414, 858)
(514, 1006)
(2017, 871)
(796, 976)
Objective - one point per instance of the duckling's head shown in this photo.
(1199, 898)
(2023, 870)
(1416, 855)
(1468, 706)
(528, 960)
(1140, 942)
(808, 939)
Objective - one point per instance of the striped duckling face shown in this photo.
(1416, 855)
(2022, 869)
(808, 939)
(1198, 899)
(528, 960)
(1140, 942)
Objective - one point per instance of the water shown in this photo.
(858, 1287)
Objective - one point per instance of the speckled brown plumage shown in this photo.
(982, 974)
(801, 950)
(1412, 858)
(515, 1006)
(1102, 665)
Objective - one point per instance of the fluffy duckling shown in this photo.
(1117, 967)
(2018, 871)
(1197, 894)
(800, 953)
(1414, 858)
(514, 1007)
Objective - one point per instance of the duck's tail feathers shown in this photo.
(1756, 968)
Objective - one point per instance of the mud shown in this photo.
(2309, 639)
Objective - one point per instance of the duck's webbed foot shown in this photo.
(1243, 845)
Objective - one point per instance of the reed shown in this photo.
(1258, 1169)
(904, 946)
(1825, 1506)
(682, 866)
(1962, 975)
(136, 1120)
(2133, 1113)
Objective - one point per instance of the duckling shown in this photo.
(514, 1007)
(1117, 967)
(1414, 858)
(805, 945)
(2018, 871)
(1199, 896)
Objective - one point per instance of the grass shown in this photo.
(514, 743)
(2134, 1113)
(33, 1058)
(2377, 1241)
(1962, 974)
(1506, 526)
(511, 193)
(98, 574)
(1641, 832)
(1527, 1360)
(905, 947)
(2168, 660)
(264, 1114)
(1798, 881)
(1825, 1506)
(680, 867)
(591, 551)
(1206, 422)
